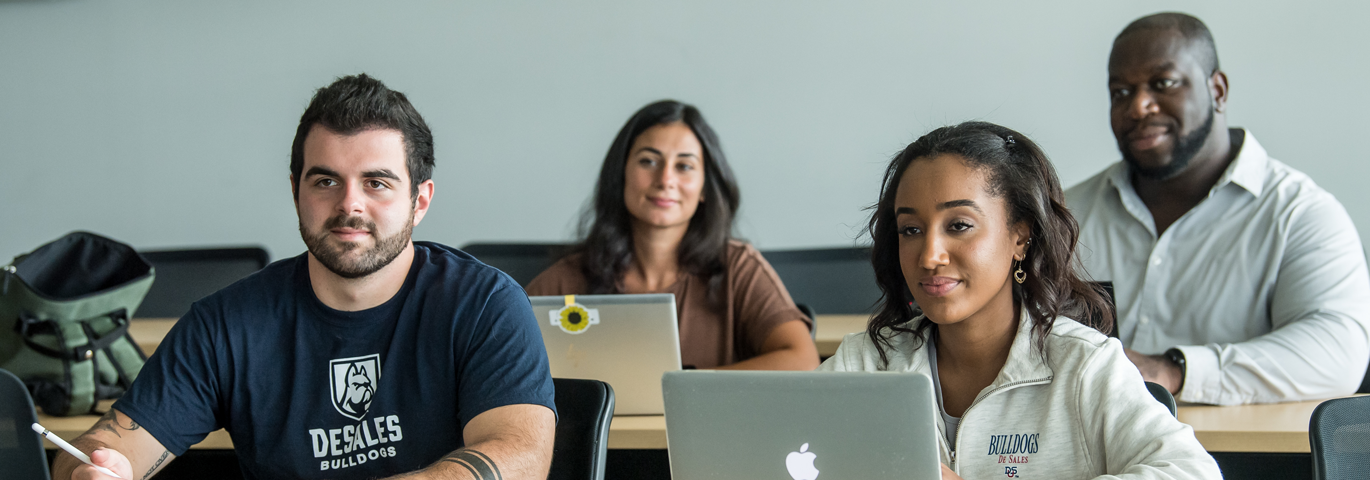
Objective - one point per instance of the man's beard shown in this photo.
(1185, 149)
(334, 256)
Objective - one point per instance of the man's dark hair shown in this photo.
(356, 103)
(1188, 26)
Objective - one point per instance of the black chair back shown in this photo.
(1162, 395)
(184, 276)
(584, 410)
(1339, 433)
(21, 450)
(522, 261)
(830, 280)
(1365, 384)
(813, 317)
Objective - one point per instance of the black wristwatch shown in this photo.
(1177, 356)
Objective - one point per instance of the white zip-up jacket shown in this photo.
(1082, 412)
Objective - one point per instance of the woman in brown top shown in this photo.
(661, 223)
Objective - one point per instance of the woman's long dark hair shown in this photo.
(1018, 172)
(607, 228)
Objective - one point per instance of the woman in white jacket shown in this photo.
(973, 249)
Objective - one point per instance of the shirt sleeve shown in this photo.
(1140, 439)
(506, 362)
(761, 302)
(847, 358)
(176, 394)
(1319, 341)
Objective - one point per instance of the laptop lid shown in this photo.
(627, 341)
(800, 425)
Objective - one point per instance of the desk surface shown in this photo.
(1249, 428)
(1281, 428)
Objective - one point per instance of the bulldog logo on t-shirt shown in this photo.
(354, 384)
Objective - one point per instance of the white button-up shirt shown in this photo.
(1263, 285)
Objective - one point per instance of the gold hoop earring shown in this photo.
(1019, 275)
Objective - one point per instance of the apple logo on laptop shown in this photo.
(800, 464)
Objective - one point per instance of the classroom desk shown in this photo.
(1278, 428)
(1272, 428)
(831, 329)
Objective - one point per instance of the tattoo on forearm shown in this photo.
(109, 421)
(157, 464)
(479, 464)
(106, 422)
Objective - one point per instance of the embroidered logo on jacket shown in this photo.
(354, 384)
(1013, 450)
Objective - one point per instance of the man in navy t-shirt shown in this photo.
(369, 356)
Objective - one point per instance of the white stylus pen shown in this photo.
(56, 440)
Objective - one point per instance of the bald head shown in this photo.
(1192, 29)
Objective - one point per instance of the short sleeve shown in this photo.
(176, 394)
(760, 301)
(505, 362)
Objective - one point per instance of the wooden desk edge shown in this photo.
(1254, 442)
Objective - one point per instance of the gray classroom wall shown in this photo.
(168, 124)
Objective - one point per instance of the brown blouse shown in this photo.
(755, 302)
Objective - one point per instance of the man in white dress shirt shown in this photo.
(1237, 279)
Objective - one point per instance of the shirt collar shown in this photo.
(1024, 364)
(1248, 170)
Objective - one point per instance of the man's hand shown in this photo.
(1157, 369)
(113, 460)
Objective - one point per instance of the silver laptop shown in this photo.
(627, 341)
(800, 425)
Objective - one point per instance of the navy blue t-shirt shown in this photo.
(307, 391)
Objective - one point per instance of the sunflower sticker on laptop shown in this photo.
(574, 318)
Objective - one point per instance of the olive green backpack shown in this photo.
(64, 313)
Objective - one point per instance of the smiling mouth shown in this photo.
(938, 287)
(662, 202)
(1147, 137)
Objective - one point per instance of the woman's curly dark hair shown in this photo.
(1018, 172)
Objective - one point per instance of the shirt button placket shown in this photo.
(1153, 289)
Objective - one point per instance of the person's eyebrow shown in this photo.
(325, 171)
(960, 203)
(1164, 67)
(650, 149)
(942, 206)
(382, 173)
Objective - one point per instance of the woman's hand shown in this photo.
(947, 474)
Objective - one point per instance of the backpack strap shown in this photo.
(30, 327)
